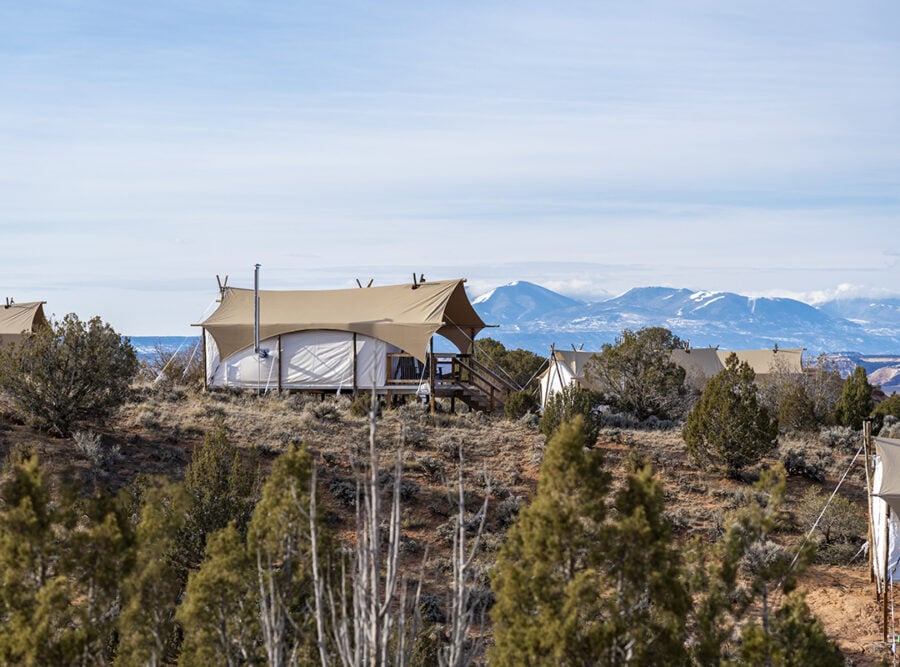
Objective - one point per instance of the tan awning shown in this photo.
(401, 315)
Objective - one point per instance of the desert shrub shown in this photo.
(323, 411)
(565, 405)
(408, 489)
(412, 434)
(890, 427)
(530, 420)
(506, 511)
(886, 414)
(434, 468)
(839, 531)
(841, 438)
(796, 465)
(68, 373)
(360, 405)
(431, 609)
(519, 404)
(90, 446)
(344, 490)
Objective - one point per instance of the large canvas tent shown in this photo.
(332, 339)
(19, 318)
(567, 367)
(702, 363)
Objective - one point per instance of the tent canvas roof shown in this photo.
(767, 361)
(574, 359)
(402, 315)
(18, 317)
(703, 361)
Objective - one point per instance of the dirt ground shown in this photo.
(844, 600)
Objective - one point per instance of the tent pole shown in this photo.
(884, 588)
(205, 368)
(867, 445)
(555, 362)
(280, 368)
(354, 365)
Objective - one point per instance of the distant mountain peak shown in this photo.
(520, 300)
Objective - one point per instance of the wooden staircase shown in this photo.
(476, 385)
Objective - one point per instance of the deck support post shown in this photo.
(431, 375)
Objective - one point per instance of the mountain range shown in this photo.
(849, 332)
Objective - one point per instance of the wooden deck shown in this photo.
(448, 375)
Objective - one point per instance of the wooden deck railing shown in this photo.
(459, 372)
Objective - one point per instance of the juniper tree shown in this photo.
(220, 611)
(637, 375)
(279, 548)
(34, 594)
(567, 404)
(221, 486)
(646, 600)
(100, 554)
(69, 372)
(151, 592)
(855, 404)
(796, 638)
(546, 578)
(728, 425)
(62, 561)
(585, 579)
(519, 366)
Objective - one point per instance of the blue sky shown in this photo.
(589, 147)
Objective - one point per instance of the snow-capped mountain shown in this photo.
(531, 317)
(520, 301)
(875, 315)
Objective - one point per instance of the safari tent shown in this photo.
(567, 367)
(700, 364)
(18, 318)
(334, 340)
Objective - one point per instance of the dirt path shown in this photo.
(844, 599)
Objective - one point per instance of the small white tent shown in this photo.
(566, 368)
